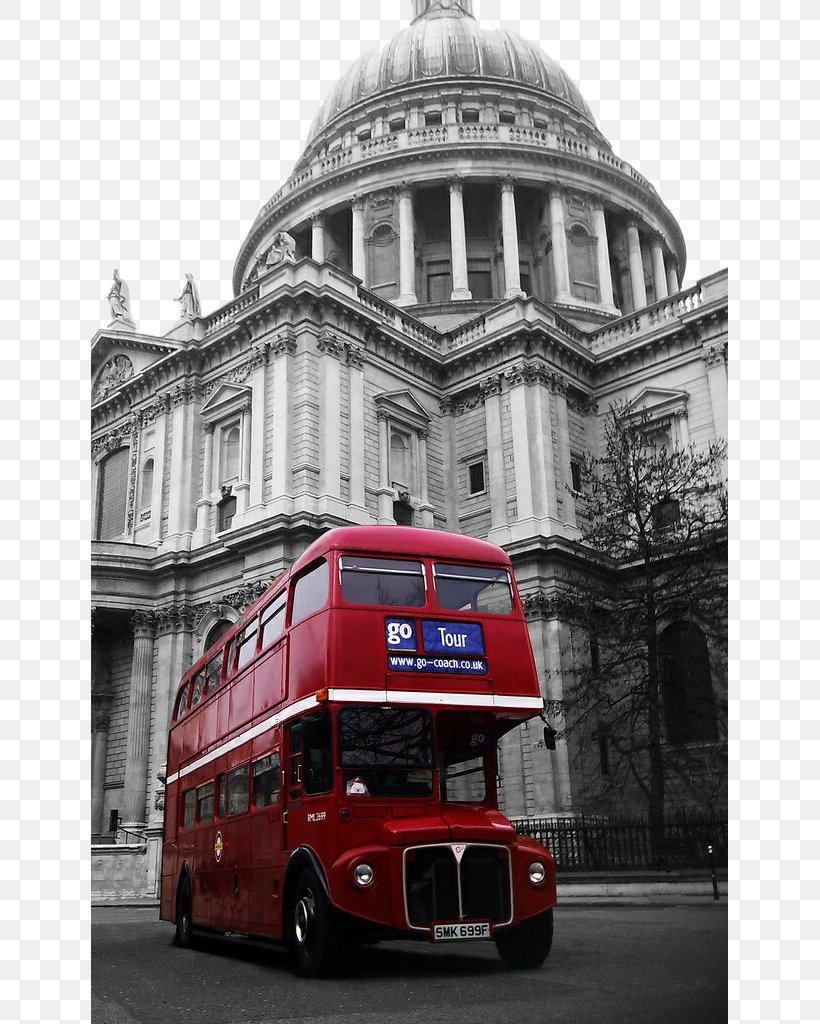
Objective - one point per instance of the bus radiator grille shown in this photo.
(433, 876)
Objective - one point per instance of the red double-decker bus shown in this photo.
(332, 759)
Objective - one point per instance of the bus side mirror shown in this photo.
(549, 737)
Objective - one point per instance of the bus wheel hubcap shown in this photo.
(305, 911)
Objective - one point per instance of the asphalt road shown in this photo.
(613, 964)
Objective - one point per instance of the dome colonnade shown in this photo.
(461, 163)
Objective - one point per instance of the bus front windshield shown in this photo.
(386, 752)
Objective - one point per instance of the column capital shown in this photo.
(558, 384)
(490, 386)
(555, 191)
(143, 624)
(329, 345)
(283, 342)
(317, 218)
(632, 223)
(381, 415)
(507, 183)
(101, 720)
(445, 406)
(455, 184)
(716, 354)
(422, 434)
(405, 189)
(358, 202)
(356, 357)
(208, 426)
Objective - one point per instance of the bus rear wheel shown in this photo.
(184, 921)
(527, 944)
(315, 938)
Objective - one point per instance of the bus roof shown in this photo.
(402, 540)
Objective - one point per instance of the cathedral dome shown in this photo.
(445, 42)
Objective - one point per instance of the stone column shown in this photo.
(560, 264)
(256, 479)
(715, 359)
(330, 425)
(385, 492)
(496, 484)
(407, 252)
(559, 390)
(202, 534)
(242, 488)
(425, 508)
(450, 464)
(681, 428)
(139, 721)
(555, 713)
(521, 451)
(317, 238)
(160, 424)
(546, 495)
(99, 748)
(181, 501)
(672, 276)
(359, 261)
(633, 242)
(606, 296)
(458, 240)
(281, 353)
(509, 236)
(658, 269)
(355, 362)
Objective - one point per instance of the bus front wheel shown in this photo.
(315, 938)
(527, 944)
(184, 922)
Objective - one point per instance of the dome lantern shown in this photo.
(442, 9)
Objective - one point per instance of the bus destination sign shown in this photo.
(448, 646)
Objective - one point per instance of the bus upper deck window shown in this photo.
(273, 623)
(182, 703)
(246, 644)
(310, 592)
(198, 690)
(213, 671)
(473, 588)
(389, 582)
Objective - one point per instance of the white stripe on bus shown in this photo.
(482, 700)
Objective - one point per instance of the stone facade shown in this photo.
(475, 279)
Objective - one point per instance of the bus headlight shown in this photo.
(363, 875)
(536, 872)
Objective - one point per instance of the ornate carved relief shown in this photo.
(115, 372)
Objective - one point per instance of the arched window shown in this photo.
(229, 455)
(583, 266)
(398, 459)
(113, 491)
(688, 697)
(216, 631)
(147, 486)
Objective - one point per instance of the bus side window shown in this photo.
(205, 804)
(182, 702)
(316, 744)
(266, 780)
(310, 593)
(246, 644)
(198, 690)
(213, 670)
(233, 792)
(189, 809)
(274, 624)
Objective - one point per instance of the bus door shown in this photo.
(266, 843)
(308, 783)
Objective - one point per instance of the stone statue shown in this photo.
(282, 250)
(189, 300)
(119, 300)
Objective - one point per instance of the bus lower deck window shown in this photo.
(205, 803)
(233, 792)
(473, 588)
(385, 752)
(189, 809)
(389, 582)
(266, 781)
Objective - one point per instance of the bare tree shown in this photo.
(657, 518)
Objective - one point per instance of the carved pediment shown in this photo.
(402, 406)
(657, 403)
(226, 399)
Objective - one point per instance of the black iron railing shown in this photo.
(591, 843)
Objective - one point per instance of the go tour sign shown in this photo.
(448, 646)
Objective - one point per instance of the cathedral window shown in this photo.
(469, 116)
(476, 475)
(506, 117)
(398, 124)
(225, 511)
(686, 678)
(113, 493)
(439, 287)
(147, 484)
(432, 117)
(583, 271)
(229, 454)
(400, 460)
(480, 279)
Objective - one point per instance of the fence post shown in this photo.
(714, 873)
